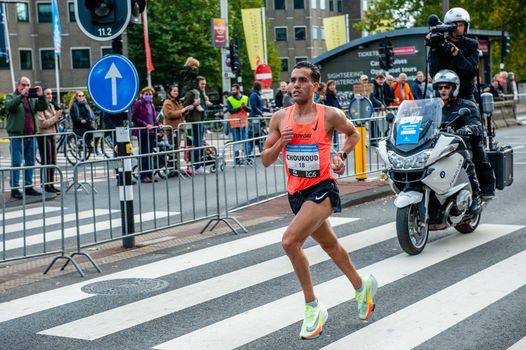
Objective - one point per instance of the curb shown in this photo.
(367, 195)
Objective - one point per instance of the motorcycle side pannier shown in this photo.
(501, 160)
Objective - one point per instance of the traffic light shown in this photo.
(505, 44)
(138, 7)
(386, 55)
(102, 11)
(235, 63)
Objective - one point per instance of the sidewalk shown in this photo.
(19, 273)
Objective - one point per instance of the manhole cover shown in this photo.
(126, 286)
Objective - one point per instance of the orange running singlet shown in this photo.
(308, 156)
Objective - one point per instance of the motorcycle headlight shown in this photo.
(415, 161)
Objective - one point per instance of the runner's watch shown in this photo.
(343, 155)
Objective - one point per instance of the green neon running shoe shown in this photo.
(315, 318)
(365, 297)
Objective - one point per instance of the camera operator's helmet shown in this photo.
(457, 14)
(446, 76)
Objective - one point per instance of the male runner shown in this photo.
(304, 133)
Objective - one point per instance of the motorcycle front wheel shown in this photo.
(411, 231)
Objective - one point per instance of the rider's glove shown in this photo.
(464, 131)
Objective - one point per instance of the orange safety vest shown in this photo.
(308, 156)
(241, 116)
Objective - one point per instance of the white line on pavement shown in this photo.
(266, 319)
(60, 296)
(28, 212)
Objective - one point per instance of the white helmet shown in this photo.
(457, 14)
(446, 76)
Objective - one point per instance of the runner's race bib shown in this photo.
(303, 160)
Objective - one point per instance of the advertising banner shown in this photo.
(253, 27)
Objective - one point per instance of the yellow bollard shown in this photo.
(360, 155)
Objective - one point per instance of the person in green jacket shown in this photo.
(22, 107)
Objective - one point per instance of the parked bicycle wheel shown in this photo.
(75, 151)
(107, 147)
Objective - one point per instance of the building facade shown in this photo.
(32, 49)
(296, 26)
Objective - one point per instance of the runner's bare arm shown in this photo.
(276, 139)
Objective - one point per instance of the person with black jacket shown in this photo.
(382, 94)
(459, 54)
(446, 86)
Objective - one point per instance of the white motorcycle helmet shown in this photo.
(446, 76)
(457, 14)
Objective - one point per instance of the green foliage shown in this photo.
(485, 14)
(178, 29)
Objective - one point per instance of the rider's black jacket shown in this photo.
(450, 112)
(465, 64)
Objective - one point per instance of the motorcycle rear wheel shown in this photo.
(412, 234)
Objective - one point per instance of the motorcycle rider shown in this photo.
(461, 55)
(446, 85)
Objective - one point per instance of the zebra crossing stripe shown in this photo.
(60, 296)
(54, 220)
(520, 345)
(250, 325)
(83, 229)
(428, 317)
(130, 315)
(29, 212)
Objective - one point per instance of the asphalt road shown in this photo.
(462, 292)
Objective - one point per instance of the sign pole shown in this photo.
(224, 74)
(124, 173)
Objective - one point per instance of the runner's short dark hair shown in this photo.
(315, 70)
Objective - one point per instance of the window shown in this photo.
(322, 4)
(44, 13)
(22, 12)
(331, 5)
(314, 4)
(299, 4)
(47, 59)
(279, 4)
(300, 33)
(3, 62)
(26, 60)
(314, 32)
(284, 64)
(301, 59)
(80, 58)
(340, 5)
(105, 51)
(71, 11)
(322, 33)
(281, 33)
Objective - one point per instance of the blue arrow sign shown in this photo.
(113, 83)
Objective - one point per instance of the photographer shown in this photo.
(450, 49)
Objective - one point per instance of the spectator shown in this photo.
(319, 95)
(47, 124)
(380, 92)
(82, 118)
(331, 99)
(418, 85)
(144, 115)
(288, 100)
(190, 81)
(495, 89)
(22, 121)
(364, 86)
(402, 90)
(429, 93)
(278, 98)
(390, 98)
(257, 109)
(226, 114)
(197, 115)
(237, 106)
(513, 86)
(502, 79)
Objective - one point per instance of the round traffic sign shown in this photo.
(360, 107)
(113, 27)
(113, 83)
(263, 74)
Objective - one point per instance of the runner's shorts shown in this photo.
(317, 194)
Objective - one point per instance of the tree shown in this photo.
(178, 29)
(487, 14)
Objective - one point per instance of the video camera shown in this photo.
(439, 32)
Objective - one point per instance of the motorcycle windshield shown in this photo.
(416, 123)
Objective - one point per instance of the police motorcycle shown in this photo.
(426, 167)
